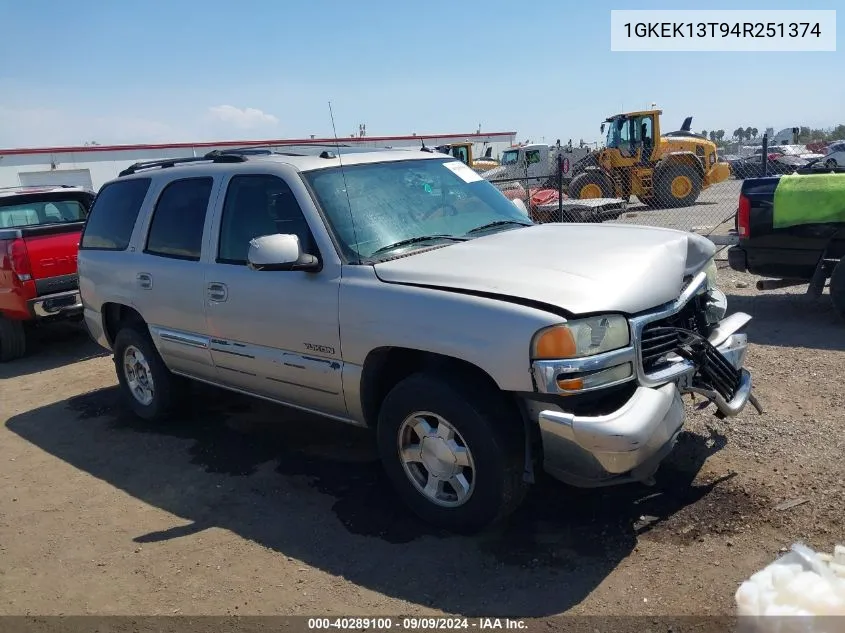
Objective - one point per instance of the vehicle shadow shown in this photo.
(51, 346)
(269, 475)
(791, 320)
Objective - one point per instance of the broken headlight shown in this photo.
(716, 303)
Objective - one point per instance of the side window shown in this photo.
(113, 215)
(258, 205)
(179, 218)
(532, 156)
(646, 129)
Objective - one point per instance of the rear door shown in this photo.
(168, 274)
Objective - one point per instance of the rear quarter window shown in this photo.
(113, 215)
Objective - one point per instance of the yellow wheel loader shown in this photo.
(463, 152)
(668, 170)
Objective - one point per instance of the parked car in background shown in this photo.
(835, 156)
(39, 237)
(402, 292)
(782, 159)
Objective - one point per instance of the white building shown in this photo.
(93, 165)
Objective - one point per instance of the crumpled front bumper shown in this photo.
(628, 443)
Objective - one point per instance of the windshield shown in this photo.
(614, 132)
(510, 156)
(396, 201)
(40, 212)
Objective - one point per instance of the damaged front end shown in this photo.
(692, 344)
(613, 416)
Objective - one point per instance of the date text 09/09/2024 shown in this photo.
(722, 29)
(415, 623)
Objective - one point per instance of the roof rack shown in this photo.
(239, 151)
(171, 162)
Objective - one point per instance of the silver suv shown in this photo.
(399, 291)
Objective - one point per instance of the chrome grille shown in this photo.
(660, 338)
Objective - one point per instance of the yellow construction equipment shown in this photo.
(463, 152)
(671, 172)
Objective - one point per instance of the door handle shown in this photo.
(217, 291)
(145, 280)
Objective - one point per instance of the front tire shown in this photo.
(590, 185)
(149, 388)
(678, 186)
(454, 451)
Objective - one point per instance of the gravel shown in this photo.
(246, 508)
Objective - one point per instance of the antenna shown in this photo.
(345, 186)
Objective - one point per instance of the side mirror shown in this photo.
(602, 128)
(280, 252)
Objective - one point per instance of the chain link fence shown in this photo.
(690, 188)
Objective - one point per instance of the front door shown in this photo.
(273, 333)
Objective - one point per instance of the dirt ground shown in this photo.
(248, 508)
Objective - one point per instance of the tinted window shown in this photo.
(179, 218)
(259, 205)
(113, 215)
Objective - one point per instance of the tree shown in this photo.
(720, 134)
(713, 135)
(805, 135)
(748, 134)
(704, 133)
(754, 132)
(739, 134)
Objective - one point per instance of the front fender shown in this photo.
(683, 158)
(492, 334)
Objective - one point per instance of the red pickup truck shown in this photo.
(40, 229)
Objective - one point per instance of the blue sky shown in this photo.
(183, 70)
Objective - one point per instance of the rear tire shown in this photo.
(590, 185)
(12, 339)
(837, 288)
(464, 432)
(149, 388)
(677, 186)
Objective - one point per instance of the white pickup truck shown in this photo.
(536, 164)
(401, 292)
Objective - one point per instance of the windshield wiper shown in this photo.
(490, 225)
(415, 240)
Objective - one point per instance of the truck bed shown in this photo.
(38, 247)
(783, 253)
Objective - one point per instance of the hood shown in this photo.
(578, 268)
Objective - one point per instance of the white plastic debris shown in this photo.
(802, 582)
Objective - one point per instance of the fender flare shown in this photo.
(666, 161)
